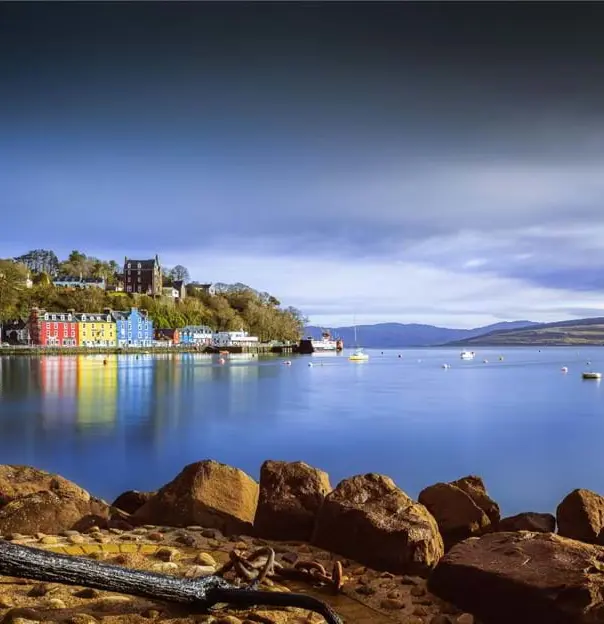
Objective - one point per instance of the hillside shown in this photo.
(589, 331)
(393, 335)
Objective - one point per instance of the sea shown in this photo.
(512, 416)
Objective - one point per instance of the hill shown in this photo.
(589, 331)
(393, 335)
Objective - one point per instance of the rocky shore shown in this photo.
(364, 547)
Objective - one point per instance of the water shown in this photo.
(532, 432)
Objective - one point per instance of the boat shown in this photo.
(326, 343)
(592, 375)
(467, 355)
(358, 355)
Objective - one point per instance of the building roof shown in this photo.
(91, 316)
(145, 264)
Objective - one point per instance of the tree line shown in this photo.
(233, 307)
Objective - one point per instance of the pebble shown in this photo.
(465, 618)
(139, 531)
(411, 580)
(167, 566)
(227, 619)
(392, 604)
(420, 611)
(69, 533)
(197, 571)
(205, 559)
(167, 554)
(49, 539)
(56, 603)
(212, 533)
(22, 616)
(87, 592)
(41, 589)
(81, 618)
(155, 536)
(365, 590)
(151, 614)
(76, 539)
(194, 527)
(440, 618)
(116, 531)
(110, 602)
(417, 591)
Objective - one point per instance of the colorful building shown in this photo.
(134, 328)
(53, 329)
(196, 335)
(168, 336)
(96, 329)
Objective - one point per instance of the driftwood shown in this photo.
(201, 594)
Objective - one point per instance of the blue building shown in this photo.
(196, 335)
(134, 328)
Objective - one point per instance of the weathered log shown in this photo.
(201, 594)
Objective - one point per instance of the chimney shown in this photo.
(107, 310)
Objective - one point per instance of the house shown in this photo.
(96, 329)
(210, 289)
(134, 328)
(15, 332)
(168, 335)
(68, 281)
(170, 293)
(196, 335)
(53, 329)
(234, 339)
(143, 276)
(174, 289)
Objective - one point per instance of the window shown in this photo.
(139, 288)
(129, 265)
(138, 266)
(54, 317)
(139, 279)
(129, 279)
(128, 288)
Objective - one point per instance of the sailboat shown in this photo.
(358, 355)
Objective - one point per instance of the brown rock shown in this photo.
(204, 493)
(291, 494)
(529, 521)
(368, 519)
(132, 500)
(44, 512)
(16, 481)
(523, 578)
(457, 515)
(474, 487)
(580, 516)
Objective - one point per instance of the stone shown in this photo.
(165, 567)
(56, 603)
(197, 571)
(523, 578)
(45, 512)
(580, 516)
(17, 481)
(87, 593)
(205, 493)
(132, 500)
(367, 518)
(392, 604)
(474, 487)
(465, 618)
(290, 496)
(205, 559)
(457, 515)
(528, 521)
(41, 589)
(167, 554)
(23, 614)
(441, 618)
(81, 618)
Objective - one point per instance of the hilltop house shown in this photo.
(15, 332)
(143, 276)
(68, 281)
(196, 335)
(134, 328)
(210, 289)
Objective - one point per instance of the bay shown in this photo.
(133, 422)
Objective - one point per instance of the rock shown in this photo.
(474, 487)
(167, 554)
(87, 593)
(580, 516)
(528, 521)
(166, 567)
(441, 618)
(132, 500)
(196, 571)
(17, 481)
(523, 578)
(205, 493)
(290, 496)
(465, 618)
(22, 613)
(392, 604)
(205, 559)
(56, 603)
(457, 515)
(45, 512)
(368, 519)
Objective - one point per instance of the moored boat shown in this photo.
(467, 355)
(592, 375)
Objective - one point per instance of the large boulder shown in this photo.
(457, 515)
(370, 520)
(528, 521)
(47, 512)
(580, 516)
(18, 481)
(132, 500)
(523, 578)
(291, 494)
(205, 493)
(474, 487)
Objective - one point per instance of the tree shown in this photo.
(12, 283)
(40, 261)
(178, 273)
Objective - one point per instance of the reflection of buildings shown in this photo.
(58, 388)
(97, 390)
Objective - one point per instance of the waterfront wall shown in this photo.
(453, 534)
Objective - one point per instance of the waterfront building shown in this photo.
(53, 329)
(234, 339)
(96, 329)
(196, 335)
(15, 332)
(134, 328)
(143, 276)
(167, 336)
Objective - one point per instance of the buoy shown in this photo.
(501, 358)
(446, 366)
(310, 364)
(564, 369)
(485, 361)
(400, 355)
(104, 362)
(221, 360)
(287, 363)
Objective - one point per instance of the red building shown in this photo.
(53, 329)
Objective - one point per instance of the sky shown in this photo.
(430, 162)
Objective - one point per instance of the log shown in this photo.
(203, 593)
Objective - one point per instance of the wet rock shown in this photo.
(368, 519)
(290, 496)
(205, 493)
(474, 487)
(529, 521)
(457, 515)
(132, 500)
(580, 516)
(523, 578)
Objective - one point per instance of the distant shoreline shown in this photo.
(39, 351)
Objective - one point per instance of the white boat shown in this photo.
(592, 375)
(358, 355)
(326, 343)
(467, 355)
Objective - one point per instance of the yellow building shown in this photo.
(96, 330)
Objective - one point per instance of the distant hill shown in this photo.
(589, 331)
(392, 335)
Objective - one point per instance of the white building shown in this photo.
(234, 339)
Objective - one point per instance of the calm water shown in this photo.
(532, 432)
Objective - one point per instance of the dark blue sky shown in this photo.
(436, 162)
